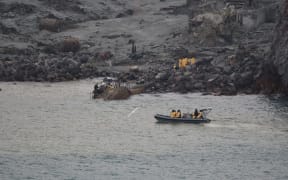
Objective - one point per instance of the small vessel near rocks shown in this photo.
(185, 118)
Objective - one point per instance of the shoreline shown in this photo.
(146, 35)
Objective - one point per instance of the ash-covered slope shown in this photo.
(51, 40)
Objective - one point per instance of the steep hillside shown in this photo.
(50, 40)
(279, 50)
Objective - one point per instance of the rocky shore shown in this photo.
(238, 50)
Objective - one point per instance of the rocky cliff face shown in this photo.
(279, 50)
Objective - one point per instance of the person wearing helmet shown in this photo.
(200, 115)
(178, 114)
(173, 113)
(195, 114)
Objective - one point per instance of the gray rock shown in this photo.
(234, 77)
(51, 24)
(199, 76)
(70, 44)
(134, 69)
(180, 52)
(227, 70)
(162, 76)
(245, 80)
(218, 70)
(229, 90)
(187, 74)
(204, 61)
(198, 85)
(213, 78)
(189, 85)
(247, 76)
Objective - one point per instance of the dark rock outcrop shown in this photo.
(70, 44)
(50, 24)
(279, 50)
(269, 81)
(29, 54)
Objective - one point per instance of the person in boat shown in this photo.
(200, 115)
(98, 90)
(195, 114)
(178, 114)
(173, 113)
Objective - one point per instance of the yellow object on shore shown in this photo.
(192, 60)
(186, 61)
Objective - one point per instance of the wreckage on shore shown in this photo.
(110, 89)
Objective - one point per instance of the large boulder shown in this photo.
(6, 28)
(70, 44)
(162, 76)
(269, 81)
(214, 18)
(50, 24)
(12, 9)
(244, 80)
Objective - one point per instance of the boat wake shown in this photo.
(132, 112)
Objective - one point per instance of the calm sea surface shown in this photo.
(56, 131)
